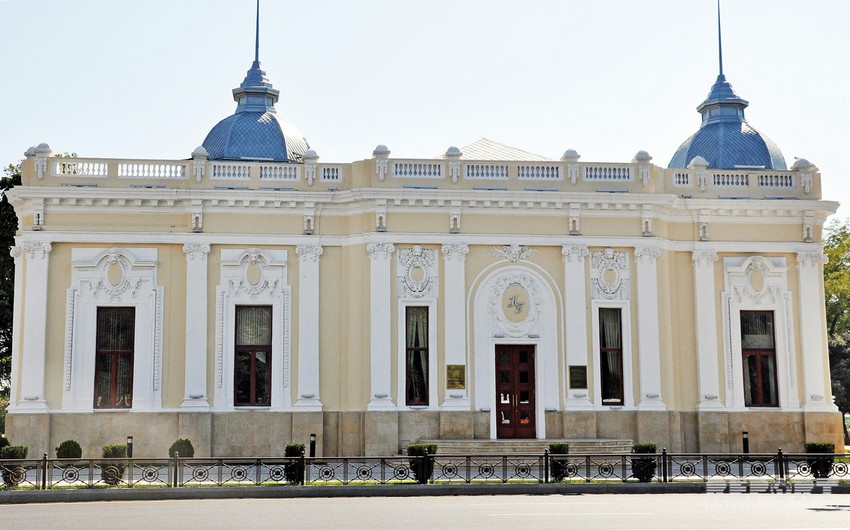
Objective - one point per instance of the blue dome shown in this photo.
(254, 131)
(725, 139)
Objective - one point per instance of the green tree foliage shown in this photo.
(836, 279)
(8, 227)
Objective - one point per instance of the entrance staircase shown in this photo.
(505, 447)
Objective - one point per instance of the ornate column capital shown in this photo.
(513, 252)
(647, 254)
(380, 251)
(309, 253)
(455, 251)
(811, 259)
(197, 251)
(36, 249)
(704, 258)
(575, 253)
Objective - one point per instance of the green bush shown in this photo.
(13, 474)
(112, 472)
(821, 466)
(422, 464)
(558, 465)
(293, 470)
(183, 447)
(69, 449)
(644, 468)
(4, 442)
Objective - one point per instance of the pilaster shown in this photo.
(813, 332)
(649, 354)
(308, 327)
(576, 325)
(706, 329)
(379, 306)
(195, 386)
(454, 300)
(32, 360)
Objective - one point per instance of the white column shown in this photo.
(379, 305)
(454, 316)
(308, 328)
(15, 252)
(813, 332)
(649, 354)
(195, 379)
(706, 329)
(35, 327)
(576, 324)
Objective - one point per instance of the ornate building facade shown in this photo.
(252, 295)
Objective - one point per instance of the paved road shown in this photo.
(554, 511)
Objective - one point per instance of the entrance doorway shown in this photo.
(515, 391)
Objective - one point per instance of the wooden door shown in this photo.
(515, 391)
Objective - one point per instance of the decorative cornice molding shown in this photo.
(513, 252)
(380, 251)
(811, 259)
(575, 253)
(309, 253)
(36, 249)
(455, 251)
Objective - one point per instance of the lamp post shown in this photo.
(129, 447)
(312, 445)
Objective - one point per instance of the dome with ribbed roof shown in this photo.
(724, 138)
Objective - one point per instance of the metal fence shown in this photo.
(47, 473)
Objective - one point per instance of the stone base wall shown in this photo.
(265, 433)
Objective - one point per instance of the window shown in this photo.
(611, 355)
(113, 373)
(252, 384)
(759, 352)
(416, 355)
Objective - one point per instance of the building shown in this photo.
(252, 295)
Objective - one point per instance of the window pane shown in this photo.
(103, 381)
(115, 328)
(610, 328)
(751, 385)
(243, 377)
(768, 380)
(611, 355)
(416, 355)
(757, 330)
(417, 327)
(123, 381)
(253, 325)
(261, 364)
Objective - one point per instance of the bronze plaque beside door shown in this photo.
(515, 391)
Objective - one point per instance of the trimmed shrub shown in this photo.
(69, 449)
(183, 447)
(558, 464)
(821, 466)
(643, 468)
(4, 442)
(293, 470)
(422, 464)
(112, 472)
(13, 474)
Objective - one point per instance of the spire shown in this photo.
(719, 39)
(256, 83)
(257, 35)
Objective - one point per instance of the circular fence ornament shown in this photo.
(364, 472)
(150, 474)
(723, 468)
(606, 470)
(239, 473)
(326, 473)
(276, 473)
(523, 470)
(401, 472)
(688, 469)
(70, 474)
(486, 470)
(803, 468)
(839, 469)
(200, 474)
(758, 469)
(449, 470)
(571, 470)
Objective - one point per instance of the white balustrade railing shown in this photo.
(681, 179)
(608, 173)
(230, 170)
(539, 172)
(486, 171)
(331, 174)
(151, 170)
(417, 169)
(278, 172)
(730, 180)
(776, 181)
(71, 167)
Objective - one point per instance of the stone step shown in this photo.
(497, 447)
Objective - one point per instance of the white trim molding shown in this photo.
(308, 328)
(626, 322)
(813, 344)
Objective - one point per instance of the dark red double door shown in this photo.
(515, 391)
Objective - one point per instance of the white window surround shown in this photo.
(253, 277)
(540, 329)
(626, 322)
(744, 291)
(433, 402)
(113, 277)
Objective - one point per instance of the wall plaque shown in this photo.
(455, 376)
(578, 377)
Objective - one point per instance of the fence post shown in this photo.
(546, 466)
(780, 460)
(303, 468)
(176, 467)
(664, 464)
(44, 471)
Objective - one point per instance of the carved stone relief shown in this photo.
(609, 275)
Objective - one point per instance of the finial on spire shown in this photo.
(719, 40)
(257, 35)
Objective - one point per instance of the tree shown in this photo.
(836, 280)
(8, 228)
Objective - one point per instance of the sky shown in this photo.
(148, 79)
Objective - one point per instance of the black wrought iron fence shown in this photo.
(47, 473)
